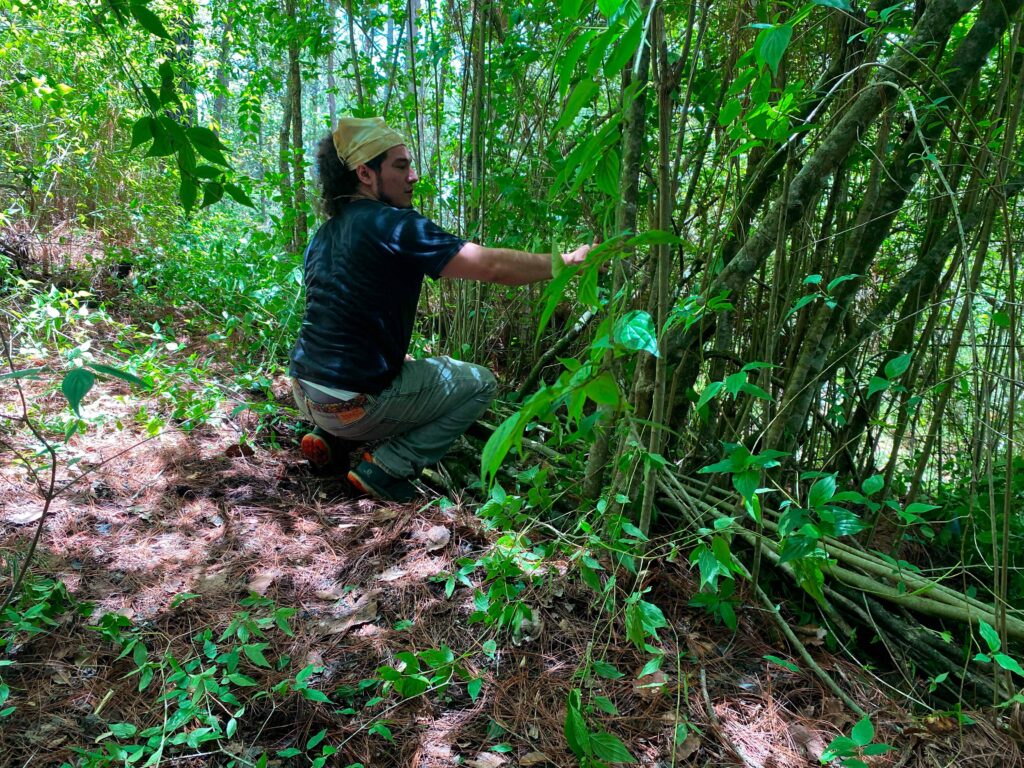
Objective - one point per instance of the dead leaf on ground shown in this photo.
(363, 612)
(810, 743)
(534, 758)
(811, 634)
(334, 592)
(25, 515)
(261, 582)
(939, 725)
(486, 760)
(438, 538)
(393, 573)
(688, 747)
(239, 450)
(651, 686)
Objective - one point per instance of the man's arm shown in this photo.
(506, 266)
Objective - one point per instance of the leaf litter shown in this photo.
(189, 524)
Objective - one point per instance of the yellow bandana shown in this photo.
(360, 139)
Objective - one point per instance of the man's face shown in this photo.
(394, 182)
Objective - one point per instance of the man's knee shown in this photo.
(488, 384)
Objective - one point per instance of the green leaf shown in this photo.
(654, 237)
(606, 670)
(609, 170)
(576, 733)
(77, 382)
(608, 747)
(651, 667)
(608, 7)
(897, 366)
(312, 694)
(877, 384)
(746, 483)
(991, 636)
(289, 752)
(863, 732)
(473, 688)
(603, 390)
(709, 392)
(149, 20)
(572, 57)
(773, 44)
(554, 292)
(1001, 320)
(631, 530)
(254, 652)
(626, 48)
(873, 485)
(204, 137)
(117, 373)
(508, 433)
(26, 373)
(212, 193)
(755, 391)
(842, 5)
(800, 303)
(571, 9)
(238, 195)
(605, 704)
(187, 193)
(822, 491)
(1008, 663)
(316, 739)
(142, 131)
(734, 382)
(839, 281)
(580, 96)
(635, 330)
(729, 112)
(123, 730)
(168, 93)
(781, 662)
(812, 280)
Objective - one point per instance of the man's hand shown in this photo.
(576, 257)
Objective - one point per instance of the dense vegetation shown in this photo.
(793, 362)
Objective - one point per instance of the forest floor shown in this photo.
(176, 532)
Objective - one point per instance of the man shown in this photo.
(363, 272)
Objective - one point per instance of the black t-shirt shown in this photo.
(364, 270)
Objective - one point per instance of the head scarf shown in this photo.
(360, 139)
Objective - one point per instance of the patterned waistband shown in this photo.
(343, 406)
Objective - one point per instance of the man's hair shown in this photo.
(338, 182)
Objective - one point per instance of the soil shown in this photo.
(176, 530)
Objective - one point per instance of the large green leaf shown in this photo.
(608, 747)
(110, 370)
(77, 382)
(773, 44)
(580, 97)
(625, 48)
(27, 373)
(897, 367)
(149, 20)
(508, 434)
(635, 330)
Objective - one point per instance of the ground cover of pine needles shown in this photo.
(199, 597)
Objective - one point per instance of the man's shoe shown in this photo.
(315, 448)
(374, 481)
(326, 453)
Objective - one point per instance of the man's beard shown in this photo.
(379, 193)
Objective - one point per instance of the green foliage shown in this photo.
(851, 750)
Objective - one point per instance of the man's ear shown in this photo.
(364, 174)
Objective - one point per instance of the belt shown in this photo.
(342, 406)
